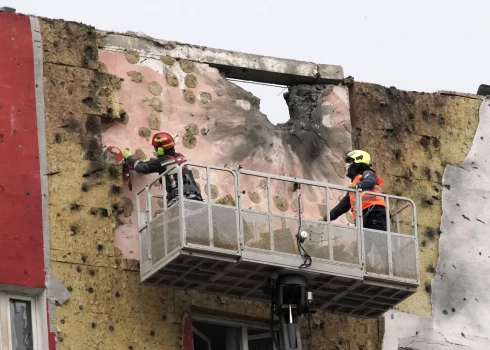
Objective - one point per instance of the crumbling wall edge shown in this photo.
(234, 64)
(48, 307)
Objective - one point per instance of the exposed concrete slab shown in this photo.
(236, 65)
(460, 94)
(330, 71)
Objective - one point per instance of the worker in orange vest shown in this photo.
(364, 178)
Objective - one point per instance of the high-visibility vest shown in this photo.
(368, 199)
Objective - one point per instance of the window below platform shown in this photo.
(214, 333)
(20, 322)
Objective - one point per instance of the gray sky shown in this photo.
(416, 45)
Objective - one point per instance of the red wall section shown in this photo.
(21, 234)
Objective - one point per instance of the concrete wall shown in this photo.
(431, 148)
(91, 101)
(221, 124)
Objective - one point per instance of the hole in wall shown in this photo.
(272, 102)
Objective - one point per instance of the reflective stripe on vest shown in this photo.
(368, 199)
(179, 160)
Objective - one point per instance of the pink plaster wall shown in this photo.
(237, 134)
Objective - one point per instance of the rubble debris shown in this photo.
(214, 191)
(144, 132)
(281, 203)
(226, 200)
(189, 96)
(136, 77)
(132, 57)
(172, 79)
(195, 173)
(254, 197)
(192, 129)
(169, 61)
(187, 66)
(205, 97)
(294, 205)
(154, 121)
(189, 141)
(156, 104)
(190, 81)
(155, 88)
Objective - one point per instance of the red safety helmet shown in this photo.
(163, 139)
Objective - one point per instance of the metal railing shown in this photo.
(327, 240)
(392, 254)
(204, 226)
(264, 224)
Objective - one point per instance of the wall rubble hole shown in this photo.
(272, 102)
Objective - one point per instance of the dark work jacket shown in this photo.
(367, 183)
(160, 165)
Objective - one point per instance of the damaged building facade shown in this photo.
(71, 268)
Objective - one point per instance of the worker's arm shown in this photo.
(139, 166)
(144, 167)
(341, 208)
(368, 181)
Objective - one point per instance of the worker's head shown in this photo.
(356, 162)
(358, 157)
(163, 143)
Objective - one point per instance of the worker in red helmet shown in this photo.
(164, 145)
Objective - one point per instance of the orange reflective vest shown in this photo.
(368, 199)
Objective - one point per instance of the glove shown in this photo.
(353, 186)
(127, 153)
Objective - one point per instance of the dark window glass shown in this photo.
(21, 324)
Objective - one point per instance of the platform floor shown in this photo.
(354, 296)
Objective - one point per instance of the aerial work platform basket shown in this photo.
(245, 230)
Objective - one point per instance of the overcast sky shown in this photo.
(417, 45)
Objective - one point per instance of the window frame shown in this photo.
(242, 326)
(202, 336)
(37, 312)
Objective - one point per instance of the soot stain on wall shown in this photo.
(304, 134)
